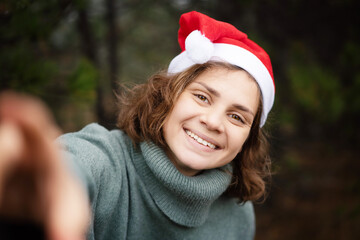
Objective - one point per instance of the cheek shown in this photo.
(172, 121)
(183, 108)
(238, 141)
(168, 126)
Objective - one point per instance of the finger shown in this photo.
(27, 110)
(11, 146)
(25, 167)
(33, 162)
(34, 121)
(11, 142)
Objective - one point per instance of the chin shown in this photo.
(197, 165)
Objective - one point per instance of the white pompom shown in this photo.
(198, 47)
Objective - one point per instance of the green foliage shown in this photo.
(354, 96)
(82, 82)
(81, 4)
(149, 43)
(292, 162)
(316, 90)
(22, 70)
(350, 63)
(24, 31)
(351, 54)
(31, 19)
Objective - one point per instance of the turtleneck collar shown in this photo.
(185, 200)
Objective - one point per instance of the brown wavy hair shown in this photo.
(144, 108)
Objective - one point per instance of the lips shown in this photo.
(201, 140)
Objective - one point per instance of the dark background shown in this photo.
(72, 54)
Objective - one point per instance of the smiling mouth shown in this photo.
(200, 140)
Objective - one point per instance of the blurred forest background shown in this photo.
(73, 53)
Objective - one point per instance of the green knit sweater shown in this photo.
(137, 193)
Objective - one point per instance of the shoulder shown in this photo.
(244, 215)
(247, 209)
(95, 140)
(95, 134)
(239, 217)
(233, 205)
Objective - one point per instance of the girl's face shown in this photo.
(211, 120)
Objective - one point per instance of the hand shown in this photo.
(34, 182)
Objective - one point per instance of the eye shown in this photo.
(236, 117)
(202, 98)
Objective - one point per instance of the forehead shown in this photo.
(218, 71)
(223, 78)
(235, 86)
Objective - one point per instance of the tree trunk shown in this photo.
(90, 51)
(112, 40)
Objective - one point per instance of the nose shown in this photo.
(213, 120)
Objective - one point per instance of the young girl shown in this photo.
(189, 155)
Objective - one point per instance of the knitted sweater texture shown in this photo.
(137, 193)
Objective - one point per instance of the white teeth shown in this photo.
(200, 140)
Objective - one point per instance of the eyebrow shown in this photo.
(211, 90)
(217, 94)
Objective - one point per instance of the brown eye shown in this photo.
(202, 97)
(236, 117)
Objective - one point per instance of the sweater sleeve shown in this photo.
(99, 158)
(89, 155)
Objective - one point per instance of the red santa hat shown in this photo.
(202, 39)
